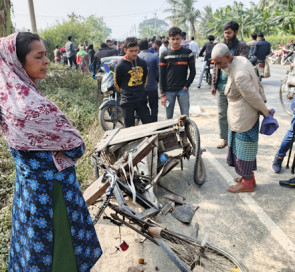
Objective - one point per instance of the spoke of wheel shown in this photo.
(192, 255)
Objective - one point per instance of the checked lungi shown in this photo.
(242, 150)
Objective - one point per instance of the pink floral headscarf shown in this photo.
(28, 120)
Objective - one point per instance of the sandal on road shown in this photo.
(222, 144)
(239, 180)
(240, 188)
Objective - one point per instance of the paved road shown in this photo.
(257, 228)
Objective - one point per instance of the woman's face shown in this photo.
(36, 61)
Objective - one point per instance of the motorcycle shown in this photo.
(275, 56)
(259, 66)
(110, 113)
(288, 56)
(209, 71)
(259, 69)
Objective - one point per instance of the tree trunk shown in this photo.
(193, 29)
(6, 27)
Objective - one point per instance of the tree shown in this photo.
(152, 27)
(183, 12)
(6, 27)
(93, 29)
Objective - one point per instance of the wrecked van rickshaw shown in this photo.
(141, 155)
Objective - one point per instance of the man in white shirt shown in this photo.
(163, 47)
(194, 47)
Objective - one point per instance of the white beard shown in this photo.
(227, 68)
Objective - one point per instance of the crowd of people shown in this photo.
(51, 226)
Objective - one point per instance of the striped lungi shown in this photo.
(242, 150)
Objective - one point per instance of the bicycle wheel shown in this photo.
(193, 135)
(198, 258)
(107, 118)
(187, 253)
(286, 96)
(207, 75)
(209, 79)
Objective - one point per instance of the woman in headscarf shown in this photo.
(51, 226)
(82, 59)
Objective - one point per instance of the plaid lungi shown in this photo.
(242, 150)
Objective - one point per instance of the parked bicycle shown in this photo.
(287, 91)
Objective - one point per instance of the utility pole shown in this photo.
(32, 16)
(155, 21)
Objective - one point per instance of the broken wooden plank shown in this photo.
(95, 190)
(142, 150)
(108, 136)
(175, 198)
(141, 131)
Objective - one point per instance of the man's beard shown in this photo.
(227, 69)
(230, 42)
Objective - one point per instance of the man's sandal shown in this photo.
(240, 188)
(223, 144)
(239, 180)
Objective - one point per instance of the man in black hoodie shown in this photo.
(130, 79)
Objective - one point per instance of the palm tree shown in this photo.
(182, 12)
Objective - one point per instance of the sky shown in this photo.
(122, 16)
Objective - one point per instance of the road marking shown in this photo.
(270, 225)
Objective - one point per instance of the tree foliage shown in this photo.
(183, 12)
(271, 17)
(93, 29)
(152, 27)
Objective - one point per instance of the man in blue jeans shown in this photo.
(174, 79)
(285, 145)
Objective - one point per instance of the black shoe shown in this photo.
(277, 165)
(199, 86)
(288, 183)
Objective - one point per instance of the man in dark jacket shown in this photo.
(262, 48)
(155, 47)
(151, 89)
(208, 46)
(130, 79)
(174, 79)
(103, 51)
(219, 78)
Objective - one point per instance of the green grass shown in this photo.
(77, 96)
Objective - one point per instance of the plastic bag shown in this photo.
(197, 111)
